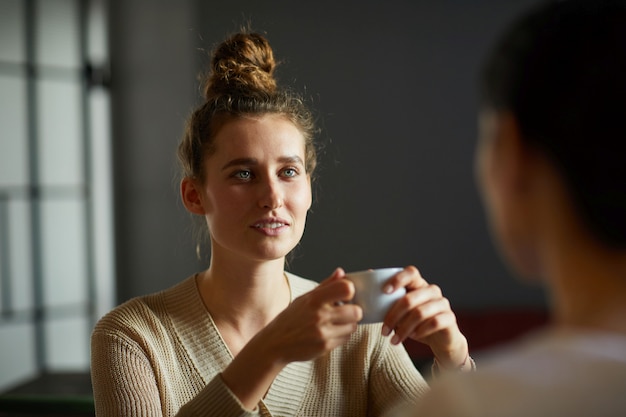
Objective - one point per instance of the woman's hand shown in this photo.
(312, 325)
(424, 314)
(316, 322)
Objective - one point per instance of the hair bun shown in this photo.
(244, 63)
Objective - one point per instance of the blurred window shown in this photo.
(56, 225)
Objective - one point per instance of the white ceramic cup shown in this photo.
(369, 293)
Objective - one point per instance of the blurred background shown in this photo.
(93, 99)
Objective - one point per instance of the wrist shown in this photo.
(468, 365)
(454, 357)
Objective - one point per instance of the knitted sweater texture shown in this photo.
(161, 355)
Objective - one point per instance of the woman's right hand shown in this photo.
(312, 325)
(316, 322)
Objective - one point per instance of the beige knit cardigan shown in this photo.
(161, 355)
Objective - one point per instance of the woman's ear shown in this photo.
(191, 196)
(310, 181)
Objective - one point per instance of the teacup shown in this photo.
(369, 293)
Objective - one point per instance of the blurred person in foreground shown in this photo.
(551, 166)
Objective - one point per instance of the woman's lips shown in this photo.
(271, 227)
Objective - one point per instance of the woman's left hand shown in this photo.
(424, 314)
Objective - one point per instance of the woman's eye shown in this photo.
(243, 175)
(290, 172)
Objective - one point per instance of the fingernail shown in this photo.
(386, 330)
(395, 339)
(388, 289)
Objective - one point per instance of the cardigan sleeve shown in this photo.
(123, 380)
(216, 399)
(125, 384)
(394, 383)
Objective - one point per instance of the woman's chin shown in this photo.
(273, 252)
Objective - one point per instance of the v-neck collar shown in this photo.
(208, 351)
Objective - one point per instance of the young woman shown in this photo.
(551, 165)
(245, 337)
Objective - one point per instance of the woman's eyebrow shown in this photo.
(253, 161)
(240, 161)
(291, 159)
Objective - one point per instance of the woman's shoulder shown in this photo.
(144, 311)
(300, 285)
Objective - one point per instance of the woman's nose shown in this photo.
(271, 195)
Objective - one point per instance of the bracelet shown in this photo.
(437, 368)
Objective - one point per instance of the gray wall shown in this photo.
(394, 85)
(152, 90)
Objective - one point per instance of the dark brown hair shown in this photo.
(561, 70)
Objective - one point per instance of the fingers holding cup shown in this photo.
(371, 294)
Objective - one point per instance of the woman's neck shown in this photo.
(244, 295)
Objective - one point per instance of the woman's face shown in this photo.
(256, 191)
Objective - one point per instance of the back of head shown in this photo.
(241, 82)
(561, 71)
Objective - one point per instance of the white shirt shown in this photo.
(551, 373)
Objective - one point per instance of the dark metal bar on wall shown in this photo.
(87, 155)
(34, 179)
(6, 304)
